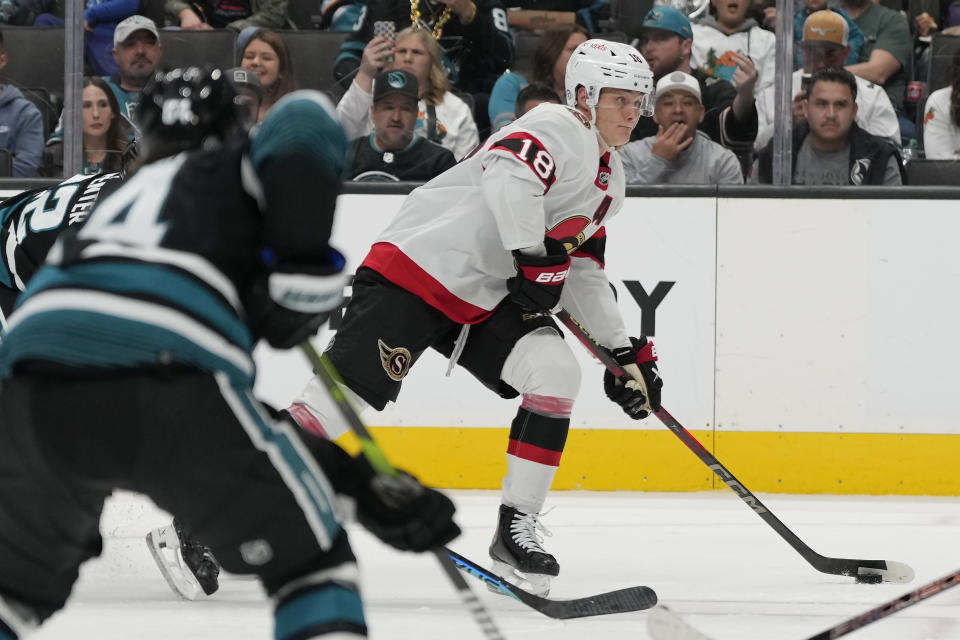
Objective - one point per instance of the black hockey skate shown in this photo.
(517, 554)
(187, 566)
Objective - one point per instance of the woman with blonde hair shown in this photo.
(444, 118)
(265, 53)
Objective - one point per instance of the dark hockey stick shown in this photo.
(663, 624)
(619, 601)
(863, 570)
(378, 460)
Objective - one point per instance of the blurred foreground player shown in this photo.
(31, 221)
(474, 262)
(127, 364)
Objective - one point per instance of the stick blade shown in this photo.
(620, 601)
(895, 573)
(664, 624)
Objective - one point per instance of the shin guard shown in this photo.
(537, 437)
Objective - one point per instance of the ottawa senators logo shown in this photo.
(396, 362)
(570, 232)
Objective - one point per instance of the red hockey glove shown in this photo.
(640, 396)
(539, 280)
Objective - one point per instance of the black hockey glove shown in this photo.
(539, 280)
(402, 512)
(640, 396)
(288, 305)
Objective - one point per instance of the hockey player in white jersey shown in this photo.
(472, 265)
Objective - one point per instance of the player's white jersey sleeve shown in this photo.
(522, 162)
(588, 297)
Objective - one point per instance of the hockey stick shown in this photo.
(872, 571)
(378, 460)
(619, 601)
(663, 624)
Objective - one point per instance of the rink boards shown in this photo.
(811, 344)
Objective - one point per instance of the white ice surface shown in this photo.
(707, 555)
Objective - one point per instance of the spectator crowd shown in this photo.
(420, 83)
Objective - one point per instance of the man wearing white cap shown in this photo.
(138, 53)
(679, 153)
(826, 43)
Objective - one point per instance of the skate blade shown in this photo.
(536, 583)
(164, 546)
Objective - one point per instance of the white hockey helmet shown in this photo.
(597, 64)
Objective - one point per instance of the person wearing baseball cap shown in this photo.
(826, 44)
(730, 114)
(392, 152)
(679, 153)
(803, 11)
(249, 90)
(828, 146)
(138, 53)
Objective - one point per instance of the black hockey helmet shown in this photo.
(188, 108)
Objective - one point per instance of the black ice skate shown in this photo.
(188, 567)
(517, 553)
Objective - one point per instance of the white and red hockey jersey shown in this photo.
(544, 174)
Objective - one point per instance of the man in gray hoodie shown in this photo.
(21, 127)
(679, 153)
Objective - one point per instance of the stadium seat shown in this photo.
(313, 53)
(197, 48)
(933, 172)
(49, 105)
(941, 61)
(524, 45)
(626, 16)
(6, 163)
(153, 9)
(34, 58)
(300, 13)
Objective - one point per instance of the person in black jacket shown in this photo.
(474, 37)
(392, 152)
(829, 148)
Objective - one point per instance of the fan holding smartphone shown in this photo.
(386, 29)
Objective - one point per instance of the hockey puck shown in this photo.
(869, 578)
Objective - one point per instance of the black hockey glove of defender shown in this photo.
(539, 280)
(288, 305)
(401, 511)
(640, 396)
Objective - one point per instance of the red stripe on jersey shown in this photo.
(532, 153)
(550, 405)
(534, 453)
(393, 264)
